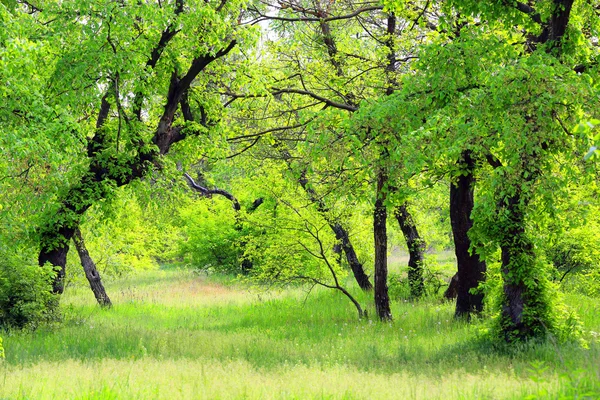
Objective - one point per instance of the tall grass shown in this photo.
(177, 335)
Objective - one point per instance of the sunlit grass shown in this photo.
(178, 335)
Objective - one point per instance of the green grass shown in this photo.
(176, 335)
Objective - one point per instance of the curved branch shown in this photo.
(209, 192)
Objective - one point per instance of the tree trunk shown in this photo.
(471, 269)
(416, 250)
(57, 257)
(355, 265)
(525, 306)
(341, 234)
(91, 273)
(382, 300)
(452, 290)
(59, 230)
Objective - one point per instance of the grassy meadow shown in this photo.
(178, 335)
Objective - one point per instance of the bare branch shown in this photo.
(278, 129)
(264, 17)
(315, 96)
(209, 192)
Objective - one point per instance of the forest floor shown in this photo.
(178, 335)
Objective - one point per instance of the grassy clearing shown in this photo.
(176, 335)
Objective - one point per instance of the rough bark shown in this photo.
(382, 300)
(471, 269)
(355, 265)
(91, 272)
(517, 250)
(416, 250)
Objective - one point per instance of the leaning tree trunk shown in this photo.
(106, 170)
(416, 250)
(91, 272)
(382, 300)
(356, 266)
(471, 269)
(341, 234)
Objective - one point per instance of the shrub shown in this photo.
(213, 242)
(26, 297)
(576, 258)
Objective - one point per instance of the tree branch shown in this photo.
(264, 17)
(331, 103)
(209, 192)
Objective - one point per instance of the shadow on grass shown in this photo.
(269, 334)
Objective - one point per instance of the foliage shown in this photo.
(294, 243)
(576, 257)
(26, 300)
(212, 238)
(330, 100)
(560, 322)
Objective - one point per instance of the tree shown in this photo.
(336, 73)
(142, 61)
(514, 116)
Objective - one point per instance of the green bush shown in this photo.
(212, 238)
(26, 298)
(1, 349)
(576, 259)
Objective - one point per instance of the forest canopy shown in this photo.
(305, 143)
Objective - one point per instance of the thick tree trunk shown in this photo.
(416, 250)
(471, 269)
(91, 272)
(59, 230)
(524, 303)
(57, 257)
(525, 307)
(382, 300)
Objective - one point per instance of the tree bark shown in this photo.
(525, 307)
(471, 269)
(355, 265)
(452, 290)
(382, 300)
(416, 250)
(91, 272)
